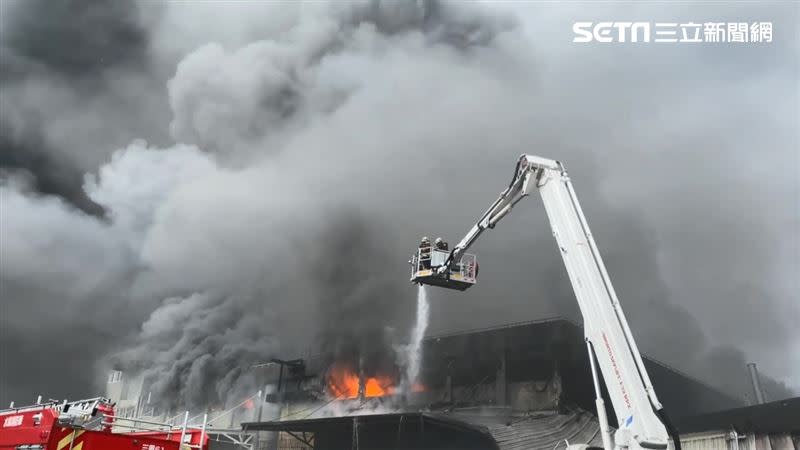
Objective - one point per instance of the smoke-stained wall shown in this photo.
(294, 156)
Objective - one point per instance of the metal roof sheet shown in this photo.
(541, 431)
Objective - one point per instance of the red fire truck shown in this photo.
(87, 425)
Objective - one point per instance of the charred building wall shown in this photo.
(535, 366)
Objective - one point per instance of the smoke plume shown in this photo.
(192, 188)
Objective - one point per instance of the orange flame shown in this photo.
(344, 383)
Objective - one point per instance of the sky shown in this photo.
(187, 188)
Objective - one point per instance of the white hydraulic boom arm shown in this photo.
(641, 419)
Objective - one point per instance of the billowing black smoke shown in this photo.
(66, 70)
(198, 349)
(75, 39)
(364, 301)
(295, 155)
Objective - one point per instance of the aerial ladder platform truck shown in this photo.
(642, 422)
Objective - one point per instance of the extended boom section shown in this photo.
(520, 186)
(610, 342)
(606, 329)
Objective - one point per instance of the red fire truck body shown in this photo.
(192, 437)
(84, 425)
(31, 426)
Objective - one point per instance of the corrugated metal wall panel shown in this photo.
(722, 440)
(781, 442)
(706, 441)
(763, 443)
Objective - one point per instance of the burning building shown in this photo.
(524, 385)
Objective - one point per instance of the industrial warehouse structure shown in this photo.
(517, 386)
